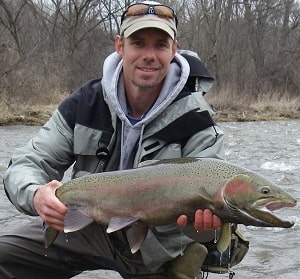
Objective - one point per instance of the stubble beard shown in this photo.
(144, 85)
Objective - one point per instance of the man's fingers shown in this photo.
(207, 219)
(216, 222)
(204, 220)
(198, 223)
(182, 221)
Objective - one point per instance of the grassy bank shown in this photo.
(28, 112)
(227, 105)
(271, 106)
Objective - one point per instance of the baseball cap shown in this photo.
(148, 14)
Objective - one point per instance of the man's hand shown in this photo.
(204, 220)
(49, 207)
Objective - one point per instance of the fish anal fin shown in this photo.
(136, 236)
(120, 222)
(76, 220)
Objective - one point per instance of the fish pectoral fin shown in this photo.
(136, 236)
(120, 222)
(76, 220)
(225, 238)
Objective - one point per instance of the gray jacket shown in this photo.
(90, 131)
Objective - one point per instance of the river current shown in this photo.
(270, 148)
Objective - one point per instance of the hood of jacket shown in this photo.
(114, 94)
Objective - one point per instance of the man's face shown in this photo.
(146, 55)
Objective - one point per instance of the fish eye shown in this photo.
(265, 190)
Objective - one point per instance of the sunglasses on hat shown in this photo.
(149, 9)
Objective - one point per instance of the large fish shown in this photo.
(158, 193)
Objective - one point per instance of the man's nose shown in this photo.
(149, 53)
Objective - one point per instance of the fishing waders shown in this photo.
(189, 264)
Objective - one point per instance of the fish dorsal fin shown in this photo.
(147, 163)
(117, 223)
(76, 220)
(81, 174)
(136, 236)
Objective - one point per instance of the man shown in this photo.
(140, 110)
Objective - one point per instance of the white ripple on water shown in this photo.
(278, 166)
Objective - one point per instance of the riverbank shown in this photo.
(38, 115)
(33, 115)
(252, 115)
(228, 106)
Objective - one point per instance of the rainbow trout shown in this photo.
(159, 192)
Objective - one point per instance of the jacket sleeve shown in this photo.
(44, 158)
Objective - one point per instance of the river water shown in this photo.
(270, 148)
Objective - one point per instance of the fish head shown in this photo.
(251, 200)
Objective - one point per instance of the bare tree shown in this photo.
(250, 46)
(11, 12)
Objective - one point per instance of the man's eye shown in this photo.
(137, 43)
(162, 45)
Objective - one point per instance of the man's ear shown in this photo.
(174, 47)
(119, 44)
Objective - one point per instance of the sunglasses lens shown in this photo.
(138, 9)
(164, 11)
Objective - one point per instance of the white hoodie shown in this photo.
(114, 94)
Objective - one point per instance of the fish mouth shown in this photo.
(262, 211)
(274, 204)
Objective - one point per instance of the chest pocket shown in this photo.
(88, 141)
(169, 141)
(158, 149)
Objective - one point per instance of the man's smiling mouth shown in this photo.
(147, 69)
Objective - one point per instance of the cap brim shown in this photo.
(134, 24)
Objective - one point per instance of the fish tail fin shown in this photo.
(50, 236)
